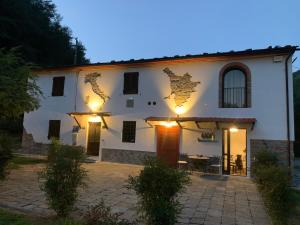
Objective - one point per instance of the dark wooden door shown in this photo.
(93, 138)
(168, 144)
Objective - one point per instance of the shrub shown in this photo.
(5, 154)
(102, 215)
(62, 177)
(264, 158)
(274, 184)
(157, 187)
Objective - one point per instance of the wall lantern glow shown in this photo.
(179, 110)
(169, 123)
(95, 119)
(233, 129)
(94, 106)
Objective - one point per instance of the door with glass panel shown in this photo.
(235, 151)
(226, 152)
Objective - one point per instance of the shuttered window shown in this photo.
(54, 129)
(131, 83)
(128, 134)
(58, 85)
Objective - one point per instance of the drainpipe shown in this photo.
(76, 90)
(288, 105)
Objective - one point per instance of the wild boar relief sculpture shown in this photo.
(92, 79)
(181, 87)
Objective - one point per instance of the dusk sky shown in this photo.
(125, 29)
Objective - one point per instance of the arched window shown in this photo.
(235, 86)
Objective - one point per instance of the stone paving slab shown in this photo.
(209, 200)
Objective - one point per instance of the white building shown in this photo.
(222, 104)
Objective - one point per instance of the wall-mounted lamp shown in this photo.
(179, 110)
(169, 123)
(95, 119)
(233, 129)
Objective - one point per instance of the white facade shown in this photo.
(268, 102)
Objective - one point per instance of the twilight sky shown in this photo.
(125, 29)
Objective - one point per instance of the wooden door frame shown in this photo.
(87, 137)
(229, 150)
(179, 139)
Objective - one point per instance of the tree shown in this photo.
(18, 89)
(34, 26)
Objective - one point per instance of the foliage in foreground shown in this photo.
(273, 182)
(294, 217)
(157, 187)
(18, 89)
(8, 218)
(102, 215)
(5, 155)
(62, 177)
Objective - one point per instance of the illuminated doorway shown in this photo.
(235, 151)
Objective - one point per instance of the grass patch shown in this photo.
(295, 214)
(8, 218)
(18, 161)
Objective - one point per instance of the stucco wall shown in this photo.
(268, 104)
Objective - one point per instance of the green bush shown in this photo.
(62, 177)
(5, 154)
(263, 158)
(157, 187)
(102, 215)
(274, 184)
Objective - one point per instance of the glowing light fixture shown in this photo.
(94, 106)
(95, 119)
(233, 129)
(179, 110)
(169, 123)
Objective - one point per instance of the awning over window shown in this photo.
(203, 122)
(82, 117)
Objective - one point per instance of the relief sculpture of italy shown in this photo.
(181, 86)
(92, 79)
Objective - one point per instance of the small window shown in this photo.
(58, 86)
(128, 134)
(131, 83)
(54, 129)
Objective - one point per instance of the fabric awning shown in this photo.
(79, 115)
(202, 122)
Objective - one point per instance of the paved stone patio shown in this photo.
(208, 200)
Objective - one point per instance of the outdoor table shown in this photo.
(199, 161)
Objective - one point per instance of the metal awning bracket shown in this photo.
(217, 125)
(149, 123)
(252, 126)
(179, 124)
(104, 122)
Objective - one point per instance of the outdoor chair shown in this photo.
(215, 164)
